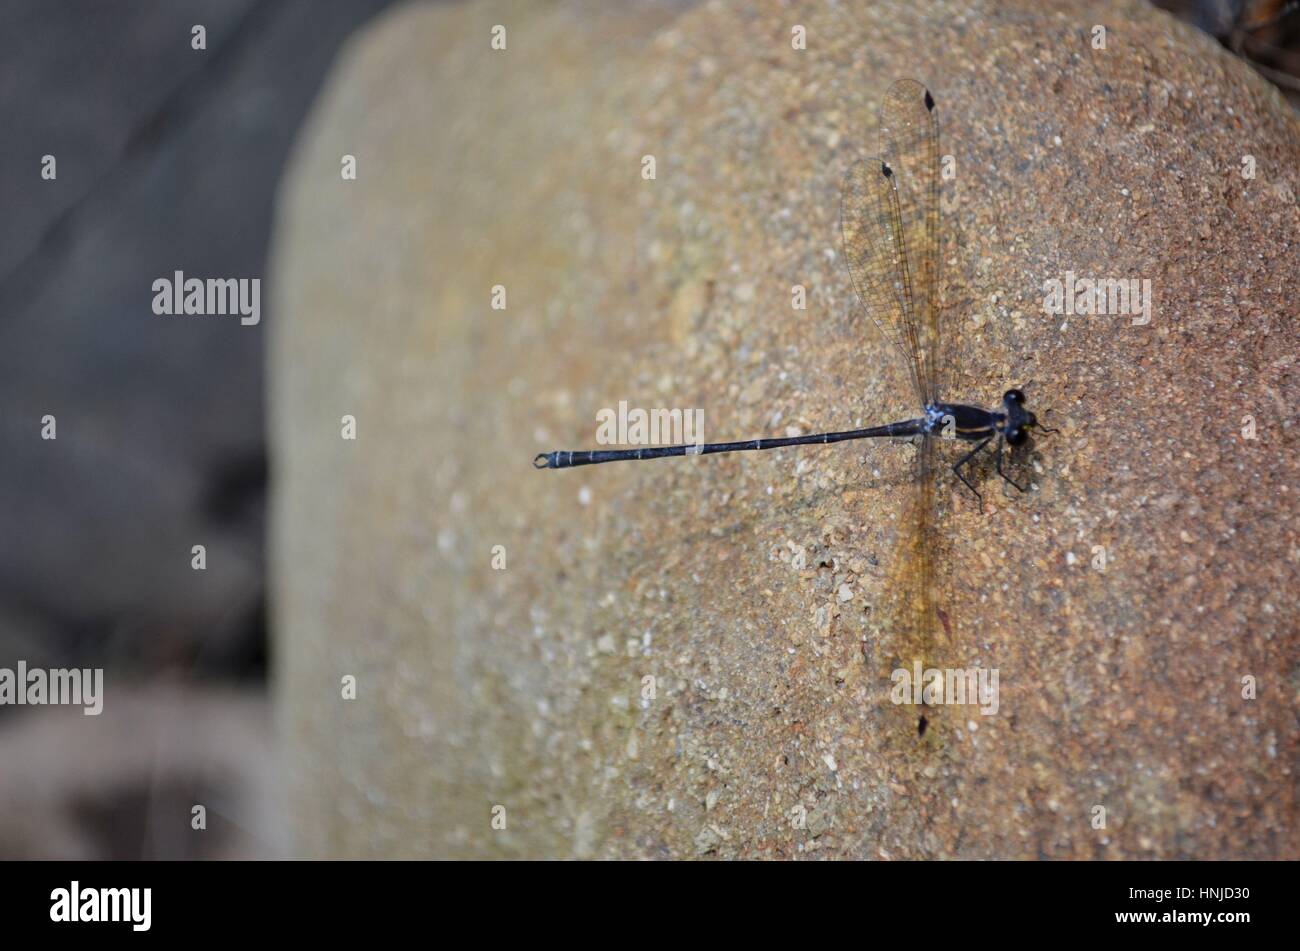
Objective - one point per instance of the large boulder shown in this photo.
(1139, 603)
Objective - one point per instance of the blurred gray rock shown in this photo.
(167, 159)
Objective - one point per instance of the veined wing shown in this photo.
(876, 256)
(909, 145)
(889, 216)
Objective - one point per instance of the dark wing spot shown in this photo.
(921, 725)
(929, 101)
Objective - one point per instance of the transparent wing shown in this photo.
(913, 575)
(876, 257)
(889, 214)
(909, 145)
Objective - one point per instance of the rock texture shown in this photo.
(1152, 567)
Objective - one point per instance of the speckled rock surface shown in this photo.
(749, 586)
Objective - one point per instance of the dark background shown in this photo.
(167, 158)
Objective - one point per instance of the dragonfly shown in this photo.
(889, 219)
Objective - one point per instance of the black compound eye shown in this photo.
(1013, 396)
(1017, 436)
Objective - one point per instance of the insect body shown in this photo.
(889, 215)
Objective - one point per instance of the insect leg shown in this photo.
(998, 453)
(965, 459)
(1044, 429)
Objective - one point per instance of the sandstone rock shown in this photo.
(479, 688)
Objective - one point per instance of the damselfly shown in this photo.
(889, 217)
